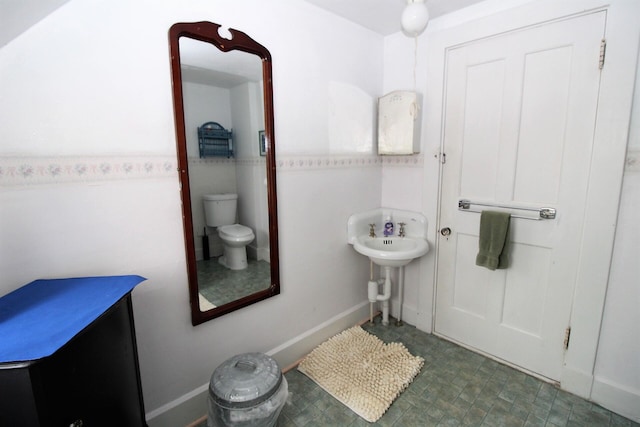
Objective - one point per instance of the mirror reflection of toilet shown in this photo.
(220, 212)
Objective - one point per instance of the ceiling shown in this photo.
(381, 16)
(16, 16)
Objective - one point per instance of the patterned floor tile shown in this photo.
(456, 387)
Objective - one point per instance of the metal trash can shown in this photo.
(247, 390)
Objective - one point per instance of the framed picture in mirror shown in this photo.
(262, 143)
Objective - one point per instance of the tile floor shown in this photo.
(456, 387)
(219, 285)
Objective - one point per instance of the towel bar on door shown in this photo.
(543, 213)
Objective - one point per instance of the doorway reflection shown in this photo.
(218, 285)
(234, 102)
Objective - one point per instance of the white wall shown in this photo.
(240, 109)
(246, 107)
(616, 374)
(404, 179)
(209, 175)
(88, 182)
(87, 138)
(199, 109)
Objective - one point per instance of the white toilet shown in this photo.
(220, 212)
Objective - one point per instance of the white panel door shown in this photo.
(519, 121)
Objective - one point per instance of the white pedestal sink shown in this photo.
(365, 231)
(392, 251)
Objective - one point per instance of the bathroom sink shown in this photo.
(392, 251)
(403, 238)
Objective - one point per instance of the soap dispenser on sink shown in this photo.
(388, 227)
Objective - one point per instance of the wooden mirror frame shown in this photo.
(208, 33)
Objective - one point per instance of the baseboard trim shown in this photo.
(576, 382)
(617, 398)
(409, 313)
(290, 352)
(181, 411)
(191, 406)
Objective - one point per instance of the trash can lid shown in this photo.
(245, 380)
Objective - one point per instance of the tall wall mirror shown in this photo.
(223, 106)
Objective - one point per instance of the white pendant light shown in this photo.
(415, 17)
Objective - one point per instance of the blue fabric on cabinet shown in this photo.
(42, 316)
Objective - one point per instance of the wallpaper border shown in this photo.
(21, 171)
(315, 162)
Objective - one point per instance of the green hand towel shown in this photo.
(494, 240)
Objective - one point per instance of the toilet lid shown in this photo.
(236, 230)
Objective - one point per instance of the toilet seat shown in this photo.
(235, 232)
(235, 238)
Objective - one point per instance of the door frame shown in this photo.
(609, 147)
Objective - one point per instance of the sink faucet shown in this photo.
(372, 230)
(401, 232)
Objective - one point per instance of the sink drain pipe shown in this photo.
(374, 296)
(400, 294)
(369, 285)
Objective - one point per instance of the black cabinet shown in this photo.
(92, 380)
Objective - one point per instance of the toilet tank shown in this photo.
(220, 209)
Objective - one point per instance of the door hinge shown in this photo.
(567, 336)
(442, 157)
(603, 50)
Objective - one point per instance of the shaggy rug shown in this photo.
(361, 371)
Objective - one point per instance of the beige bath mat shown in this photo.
(361, 371)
